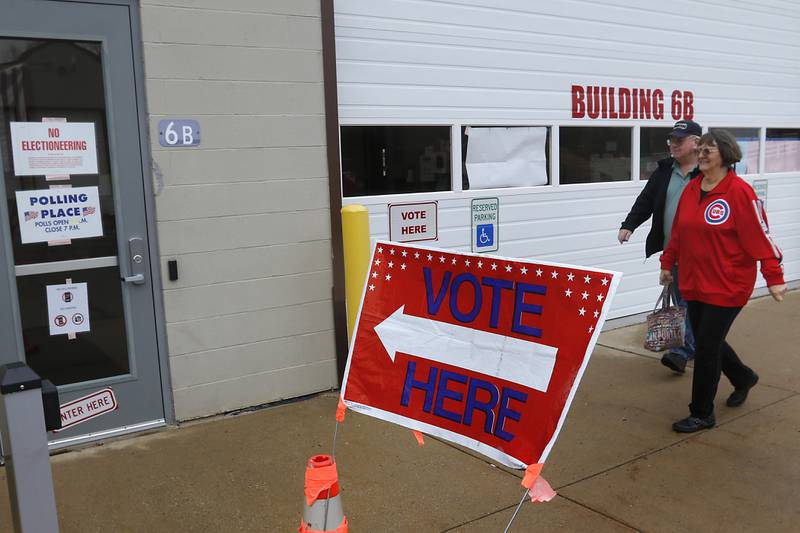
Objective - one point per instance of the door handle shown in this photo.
(136, 279)
(136, 262)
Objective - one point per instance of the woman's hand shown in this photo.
(777, 291)
(666, 277)
(624, 235)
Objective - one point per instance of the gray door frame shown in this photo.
(12, 329)
(150, 193)
(137, 46)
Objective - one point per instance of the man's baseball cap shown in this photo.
(684, 128)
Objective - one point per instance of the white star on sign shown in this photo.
(441, 259)
(596, 314)
(377, 261)
(391, 251)
(587, 279)
(416, 255)
(480, 264)
(374, 275)
(508, 268)
(591, 329)
(585, 295)
(388, 277)
(466, 262)
(539, 272)
(604, 281)
(380, 249)
(403, 266)
(568, 293)
(494, 266)
(430, 257)
(599, 297)
(405, 253)
(523, 270)
(371, 287)
(570, 276)
(581, 311)
(554, 273)
(391, 264)
(453, 261)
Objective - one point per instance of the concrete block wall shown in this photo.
(245, 214)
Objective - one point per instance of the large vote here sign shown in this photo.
(483, 351)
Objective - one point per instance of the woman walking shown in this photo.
(719, 234)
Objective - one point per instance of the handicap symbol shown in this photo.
(485, 235)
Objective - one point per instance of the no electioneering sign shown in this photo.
(42, 148)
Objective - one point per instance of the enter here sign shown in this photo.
(88, 407)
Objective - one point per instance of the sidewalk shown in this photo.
(617, 465)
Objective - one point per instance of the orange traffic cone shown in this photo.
(322, 508)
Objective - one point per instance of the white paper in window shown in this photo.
(783, 155)
(506, 157)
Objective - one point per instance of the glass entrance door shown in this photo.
(80, 303)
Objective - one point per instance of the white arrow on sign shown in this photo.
(524, 362)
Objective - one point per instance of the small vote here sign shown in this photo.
(417, 221)
(483, 351)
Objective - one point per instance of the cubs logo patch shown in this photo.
(717, 212)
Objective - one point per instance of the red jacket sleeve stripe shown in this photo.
(758, 205)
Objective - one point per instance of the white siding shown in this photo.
(516, 59)
(510, 62)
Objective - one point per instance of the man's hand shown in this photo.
(665, 278)
(778, 291)
(624, 235)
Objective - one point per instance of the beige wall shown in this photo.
(246, 214)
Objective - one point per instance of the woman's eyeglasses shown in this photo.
(705, 152)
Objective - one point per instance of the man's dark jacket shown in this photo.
(651, 201)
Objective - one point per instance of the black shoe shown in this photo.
(692, 423)
(738, 396)
(674, 362)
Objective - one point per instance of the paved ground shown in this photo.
(617, 466)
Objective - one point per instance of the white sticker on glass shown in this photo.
(68, 308)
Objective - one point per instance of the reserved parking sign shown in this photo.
(485, 216)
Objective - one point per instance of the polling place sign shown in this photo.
(483, 351)
(58, 214)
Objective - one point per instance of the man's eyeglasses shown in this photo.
(705, 152)
(675, 141)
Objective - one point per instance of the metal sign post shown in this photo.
(24, 439)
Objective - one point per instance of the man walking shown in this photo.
(659, 199)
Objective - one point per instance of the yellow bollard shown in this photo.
(355, 241)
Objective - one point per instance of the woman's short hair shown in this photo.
(729, 150)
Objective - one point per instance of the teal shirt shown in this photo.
(677, 183)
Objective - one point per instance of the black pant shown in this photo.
(713, 355)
